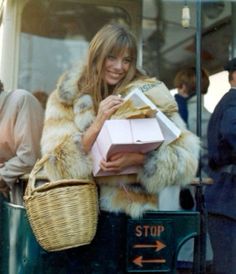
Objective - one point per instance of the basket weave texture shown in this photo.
(64, 213)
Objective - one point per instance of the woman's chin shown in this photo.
(112, 82)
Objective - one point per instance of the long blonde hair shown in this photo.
(110, 39)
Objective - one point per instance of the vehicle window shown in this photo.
(55, 35)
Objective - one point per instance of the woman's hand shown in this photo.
(119, 161)
(106, 108)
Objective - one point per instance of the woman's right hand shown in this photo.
(106, 108)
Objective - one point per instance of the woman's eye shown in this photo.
(111, 57)
(127, 61)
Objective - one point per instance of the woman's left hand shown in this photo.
(119, 161)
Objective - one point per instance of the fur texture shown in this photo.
(69, 113)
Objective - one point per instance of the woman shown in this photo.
(75, 113)
(186, 98)
(185, 82)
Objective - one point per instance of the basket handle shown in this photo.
(32, 177)
(63, 182)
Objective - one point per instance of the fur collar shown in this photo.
(67, 90)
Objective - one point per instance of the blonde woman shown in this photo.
(76, 112)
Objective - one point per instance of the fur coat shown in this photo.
(69, 113)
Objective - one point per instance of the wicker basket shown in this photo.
(63, 214)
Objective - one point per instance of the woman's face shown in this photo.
(116, 68)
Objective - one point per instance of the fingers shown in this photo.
(110, 166)
(111, 101)
(107, 108)
(116, 156)
(113, 98)
(109, 105)
(119, 161)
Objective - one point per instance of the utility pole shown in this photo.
(200, 241)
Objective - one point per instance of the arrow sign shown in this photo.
(139, 261)
(158, 245)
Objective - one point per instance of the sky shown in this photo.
(219, 85)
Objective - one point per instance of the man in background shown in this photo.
(221, 195)
(21, 121)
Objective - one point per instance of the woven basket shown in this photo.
(63, 214)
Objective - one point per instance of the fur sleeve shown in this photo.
(172, 164)
(61, 139)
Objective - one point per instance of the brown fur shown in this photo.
(69, 113)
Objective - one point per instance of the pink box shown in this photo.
(128, 135)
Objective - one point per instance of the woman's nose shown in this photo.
(118, 64)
